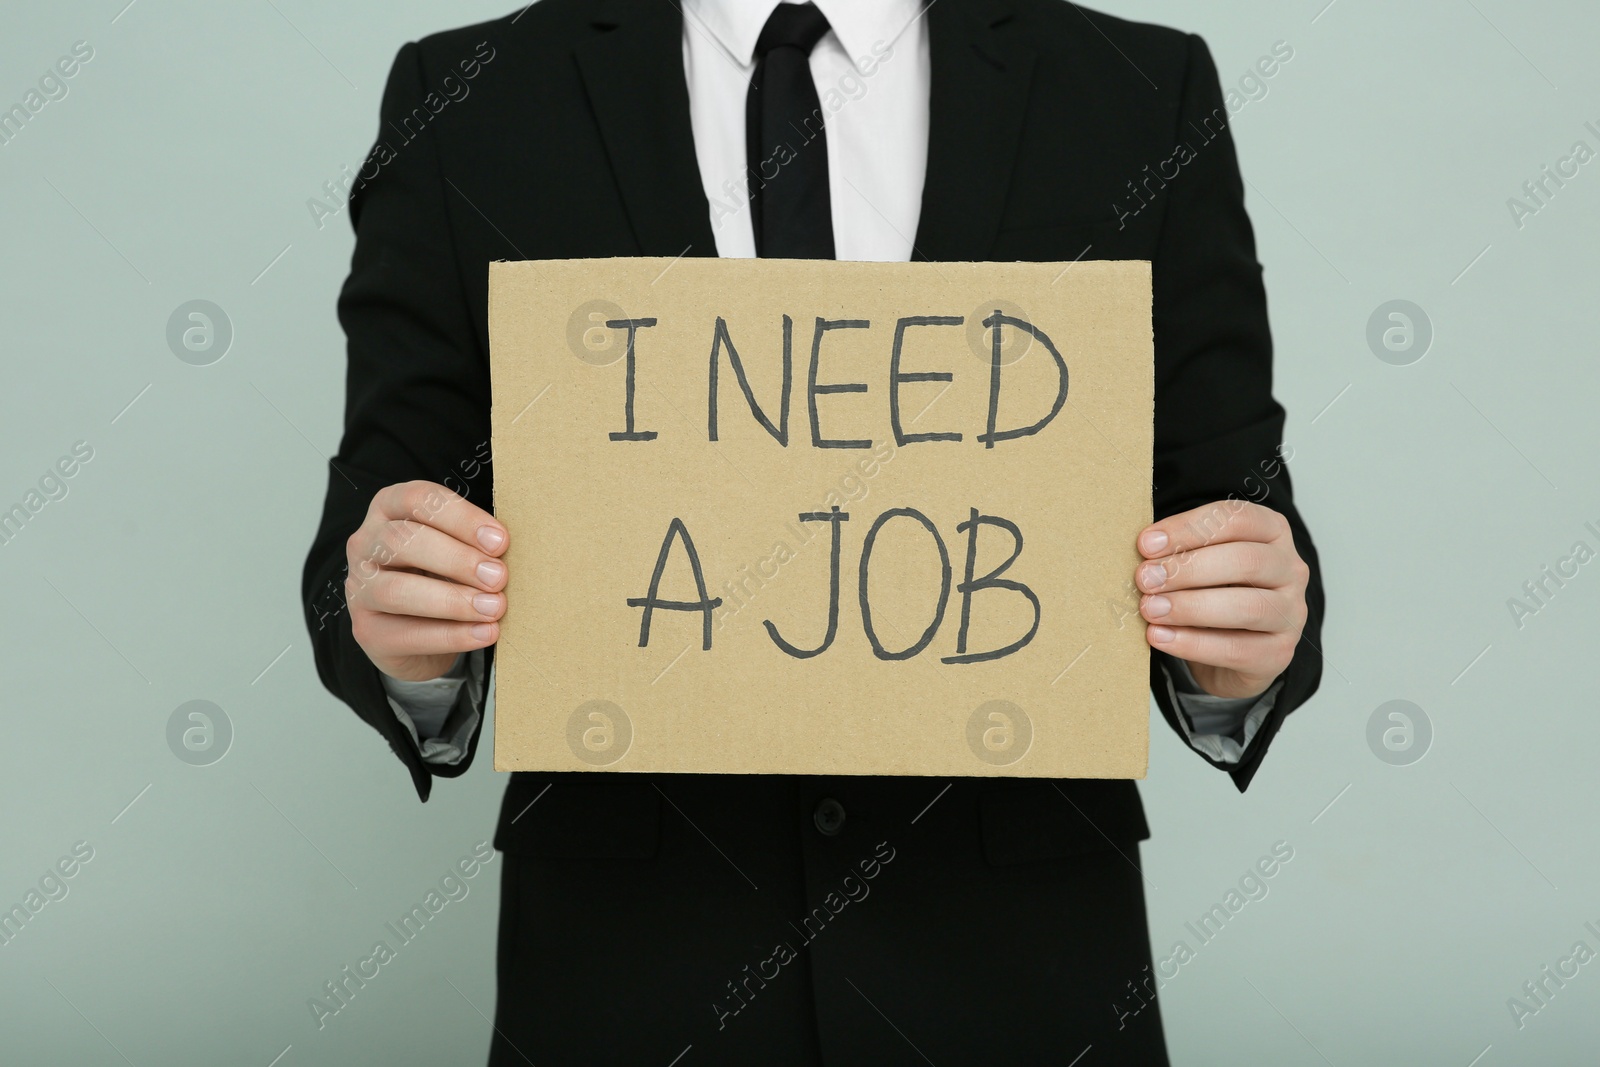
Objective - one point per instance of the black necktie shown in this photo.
(785, 145)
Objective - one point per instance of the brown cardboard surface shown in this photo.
(589, 514)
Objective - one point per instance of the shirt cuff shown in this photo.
(1219, 728)
(441, 714)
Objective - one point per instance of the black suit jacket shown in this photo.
(1051, 130)
(1055, 135)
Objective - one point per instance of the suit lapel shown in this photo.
(978, 97)
(633, 74)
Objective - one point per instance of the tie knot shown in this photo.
(792, 26)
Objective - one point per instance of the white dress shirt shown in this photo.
(873, 77)
(872, 74)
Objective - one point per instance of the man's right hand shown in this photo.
(424, 581)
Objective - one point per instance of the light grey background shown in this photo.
(220, 898)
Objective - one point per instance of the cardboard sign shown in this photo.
(822, 518)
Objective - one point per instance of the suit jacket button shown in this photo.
(829, 817)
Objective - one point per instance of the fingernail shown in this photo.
(491, 538)
(490, 572)
(486, 603)
(1156, 607)
(1153, 577)
(1154, 540)
(1162, 635)
(482, 631)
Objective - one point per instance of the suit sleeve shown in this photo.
(1218, 430)
(416, 388)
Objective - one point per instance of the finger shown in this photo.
(1266, 566)
(1209, 524)
(411, 546)
(1239, 650)
(1225, 608)
(402, 593)
(444, 510)
(400, 635)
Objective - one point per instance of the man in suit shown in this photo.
(806, 919)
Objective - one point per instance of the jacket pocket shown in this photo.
(1065, 242)
(582, 815)
(1046, 819)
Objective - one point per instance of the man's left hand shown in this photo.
(1226, 591)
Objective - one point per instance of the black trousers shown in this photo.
(700, 920)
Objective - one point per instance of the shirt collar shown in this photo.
(735, 25)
